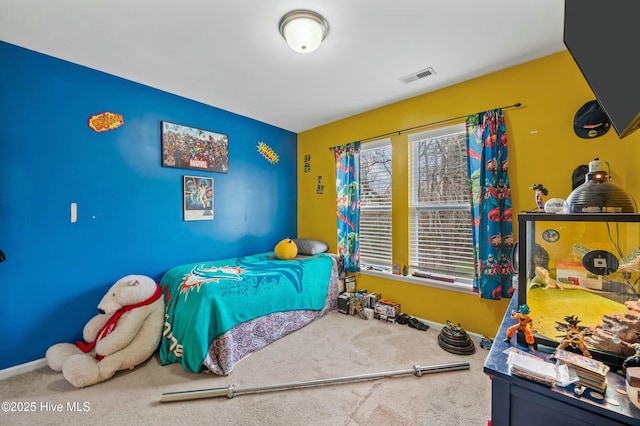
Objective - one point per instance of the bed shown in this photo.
(219, 312)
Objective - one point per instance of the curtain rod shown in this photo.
(397, 132)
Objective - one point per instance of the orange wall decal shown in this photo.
(105, 121)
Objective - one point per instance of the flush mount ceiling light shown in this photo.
(303, 30)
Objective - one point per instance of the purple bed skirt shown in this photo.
(239, 342)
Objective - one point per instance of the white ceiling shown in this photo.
(229, 53)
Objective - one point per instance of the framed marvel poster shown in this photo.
(192, 148)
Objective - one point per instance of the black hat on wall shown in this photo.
(591, 121)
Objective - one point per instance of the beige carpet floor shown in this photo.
(334, 346)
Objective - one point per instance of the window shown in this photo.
(375, 205)
(441, 241)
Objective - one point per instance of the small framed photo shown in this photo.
(192, 148)
(197, 198)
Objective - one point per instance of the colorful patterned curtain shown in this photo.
(348, 203)
(487, 162)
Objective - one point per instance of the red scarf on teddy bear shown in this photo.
(113, 321)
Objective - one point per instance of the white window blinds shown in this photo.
(375, 205)
(441, 239)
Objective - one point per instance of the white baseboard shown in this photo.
(22, 368)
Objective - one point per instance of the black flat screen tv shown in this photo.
(603, 36)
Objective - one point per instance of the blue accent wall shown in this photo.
(130, 218)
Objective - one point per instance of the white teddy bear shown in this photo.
(125, 333)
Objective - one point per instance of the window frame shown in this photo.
(448, 279)
(381, 261)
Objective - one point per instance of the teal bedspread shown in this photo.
(204, 300)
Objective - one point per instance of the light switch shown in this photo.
(74, 212)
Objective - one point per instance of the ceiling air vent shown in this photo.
(415, 76)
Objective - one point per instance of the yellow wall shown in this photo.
(542, 149)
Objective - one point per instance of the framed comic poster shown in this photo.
(197, 194)
(191, 148)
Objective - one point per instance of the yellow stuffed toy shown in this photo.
(286, 249)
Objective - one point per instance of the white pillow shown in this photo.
(310, 247)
